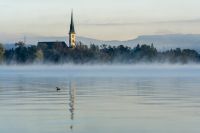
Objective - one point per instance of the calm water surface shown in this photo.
(100, 99)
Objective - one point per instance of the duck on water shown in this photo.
(58, 89)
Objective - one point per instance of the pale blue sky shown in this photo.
(100, 19)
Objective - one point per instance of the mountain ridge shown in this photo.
(162, 42)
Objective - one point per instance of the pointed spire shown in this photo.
(72, 30)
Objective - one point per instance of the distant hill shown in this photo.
(170, 41)
(161, 42)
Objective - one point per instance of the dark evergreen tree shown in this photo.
(59, 53)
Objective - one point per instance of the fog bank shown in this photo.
(112, 71)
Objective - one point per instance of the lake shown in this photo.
(100, 99)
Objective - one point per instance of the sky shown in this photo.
(100, 19)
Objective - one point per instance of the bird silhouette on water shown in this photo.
(58, 89)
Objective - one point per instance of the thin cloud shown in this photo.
(110, 24)
(181, 21)
(142, 23)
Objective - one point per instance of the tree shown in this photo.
(1, 52)
(59, 53)
(39, 55)
(21, 53)
(20, 44)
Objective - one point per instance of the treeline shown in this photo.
(59, 54)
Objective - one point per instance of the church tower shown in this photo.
(72, 34)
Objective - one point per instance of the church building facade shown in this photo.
(56, 44)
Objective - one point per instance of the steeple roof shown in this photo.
(72, 30)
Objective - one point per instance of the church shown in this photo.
(62, 44)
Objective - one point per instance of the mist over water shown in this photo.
(137, 70)
(100, 98)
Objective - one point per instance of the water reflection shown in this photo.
(30, 103)
(72, 96)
